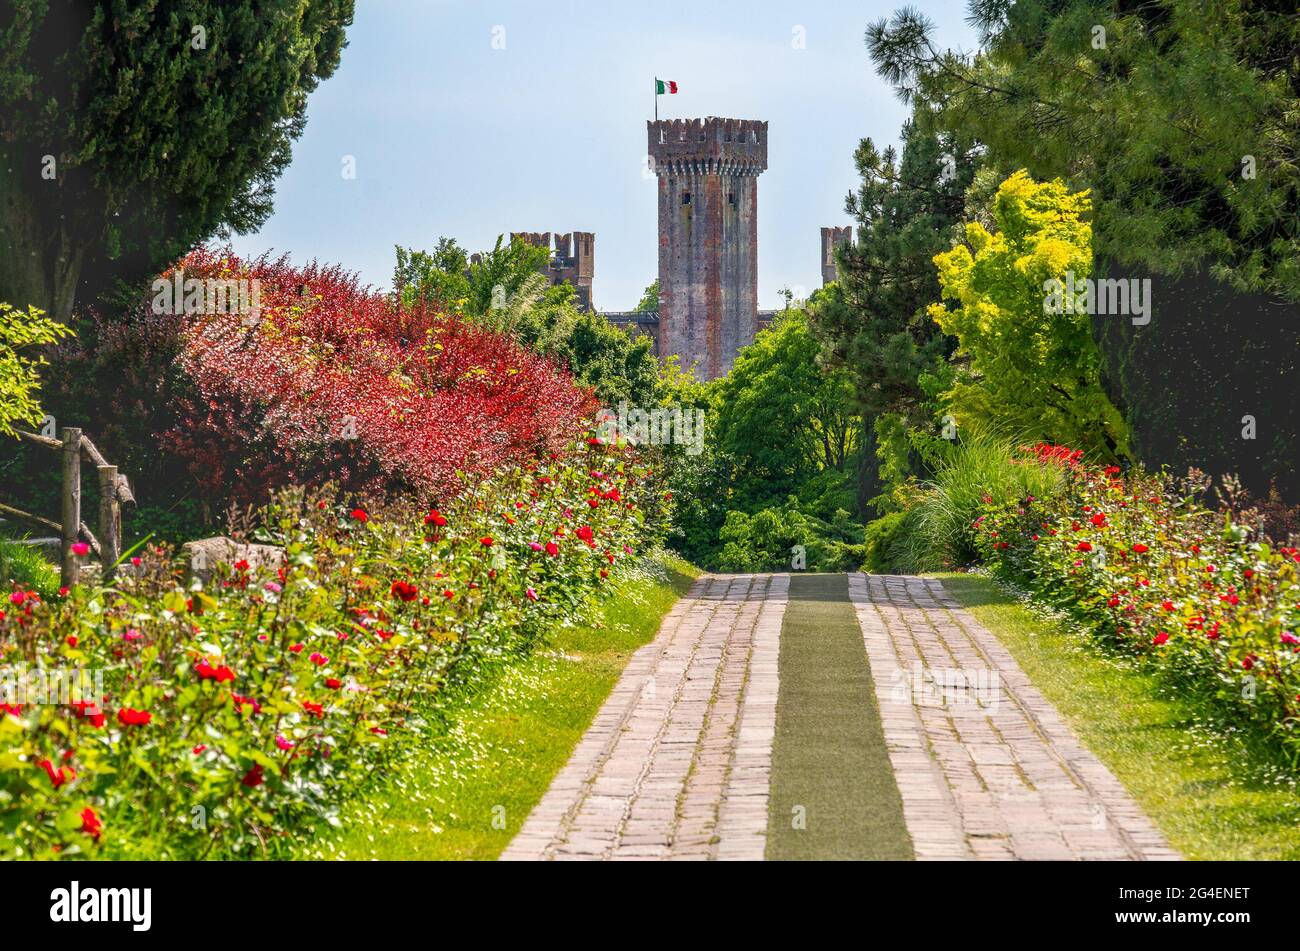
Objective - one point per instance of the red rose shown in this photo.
(435, 518)
(254, 776)
(486, 541)
(1160, 638)
(1140, 548)
(333, 683)
(359, 515)
(90, 823)
(57, 776)
(207, 672)
(552, 549)
(128, 717)
(404, 590)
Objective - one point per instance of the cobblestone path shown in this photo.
(677, 764)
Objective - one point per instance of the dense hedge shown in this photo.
(233, 713)
(1202, 599)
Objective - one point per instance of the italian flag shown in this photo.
(665, 86)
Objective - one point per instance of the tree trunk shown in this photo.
(41, 262)
(868, 469)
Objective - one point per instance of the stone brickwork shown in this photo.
(986, 766)
(832, 238)
(707, 172)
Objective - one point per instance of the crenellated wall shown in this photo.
(707, 172)
(573, 259)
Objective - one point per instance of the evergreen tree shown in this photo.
(131, 130)
(872, 320)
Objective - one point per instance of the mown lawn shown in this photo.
(1214, 792)
(466, 792)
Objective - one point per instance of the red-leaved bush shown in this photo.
(334, 380)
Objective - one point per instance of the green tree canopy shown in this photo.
(131, 130)
(780, 415)
(649, 303)
(1182, 116)
(1032, 372)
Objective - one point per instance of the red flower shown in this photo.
(315, 709)
(585, 533)
(486, 541)
(552, 549)
(254, 776)
(319, 659)
(1140, 549)
(333, 683)
(80, 549)
(72, 640)
(90, 823)
(359, 515)
(449, 595)
(1099, 519)
(199, 749)
(207, 672)
(57, 776)
(404, 590)
(1083, 546)
(295, 648)
(128, 717)
(1160, 638)
(241, 702)
(1167, 605)
(435, 518)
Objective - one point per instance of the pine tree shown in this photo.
(873, 319)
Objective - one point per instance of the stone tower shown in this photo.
(573, 259)
(708, 237)
(832, 238)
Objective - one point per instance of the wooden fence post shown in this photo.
(71, 502)
(110, 521)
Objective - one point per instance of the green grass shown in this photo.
(830, 766)
(465, 794)
(1216, 793)
(26, 566)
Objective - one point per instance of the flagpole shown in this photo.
(656, 99)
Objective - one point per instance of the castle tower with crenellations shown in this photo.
(832, 238)
(573, 259)
(707, 172)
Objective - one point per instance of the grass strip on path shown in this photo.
(830, 766)
(467, 792)
(1214, 792)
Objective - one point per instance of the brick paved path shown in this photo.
(986, 767)
(677, 763)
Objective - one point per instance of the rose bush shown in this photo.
(1154, 571)
(235, 711)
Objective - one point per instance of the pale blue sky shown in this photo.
(453, 137)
